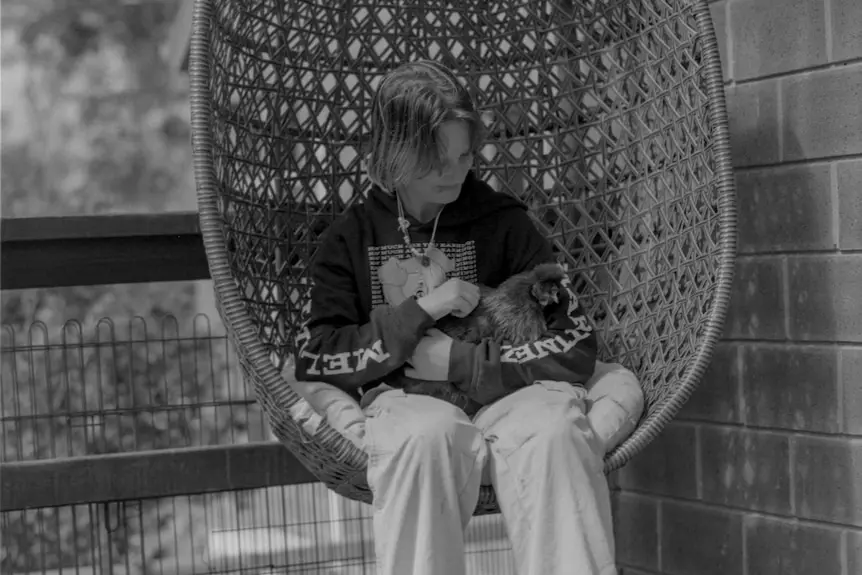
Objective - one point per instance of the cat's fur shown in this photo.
(513, 313)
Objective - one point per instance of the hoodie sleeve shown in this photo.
(335, 345)
(488, 371)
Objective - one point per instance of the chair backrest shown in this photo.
(606, 116)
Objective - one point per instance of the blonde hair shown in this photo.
(410, 105)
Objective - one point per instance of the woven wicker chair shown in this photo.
(606, 116)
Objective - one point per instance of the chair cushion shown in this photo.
(341, 411)
(615, 403)
(614, 397)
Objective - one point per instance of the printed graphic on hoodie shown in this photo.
(396, 280)
(400, 278)
(363, 320)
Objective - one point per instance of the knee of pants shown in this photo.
(546, 424)
(423, 426)
(557, 441)
(558, 431)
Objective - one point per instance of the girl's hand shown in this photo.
(454, 296)
(430, 360)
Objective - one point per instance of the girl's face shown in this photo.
(443, 186)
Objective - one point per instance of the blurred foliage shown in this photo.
(94, 122)
(113, 387)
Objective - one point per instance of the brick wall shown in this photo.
(762, 473)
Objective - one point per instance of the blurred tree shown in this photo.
(92, 124)
(115, 387)
(92, 120)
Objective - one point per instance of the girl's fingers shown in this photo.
(465, 306)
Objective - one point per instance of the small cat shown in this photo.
(513, 313)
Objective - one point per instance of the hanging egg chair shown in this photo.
(606, 117)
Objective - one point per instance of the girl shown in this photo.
(409, 254)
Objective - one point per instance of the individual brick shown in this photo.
(752, 111)
(757, 300)
(854, 552)
(824, 297)
(716, 397)
(791, 386)
(614, 480)
(718, 13)
(781, 547)
(827, 478)
(851, 374)
(846, 31)
(700, 541)
(636, 530)
(822, 113)
(785, 209)
(769, 40)
(746, 468)
(633, 571)
(666, 466)
(850, 203)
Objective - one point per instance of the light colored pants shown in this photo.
(541, 448)
(536, 447)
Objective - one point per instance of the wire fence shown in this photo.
(120, 387)
(74, 390)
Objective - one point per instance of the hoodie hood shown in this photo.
(477, 200)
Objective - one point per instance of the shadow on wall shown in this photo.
(790, 290)
(781, 209)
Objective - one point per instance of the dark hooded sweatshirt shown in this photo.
(357, 337)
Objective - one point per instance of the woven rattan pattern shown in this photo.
(606, 116)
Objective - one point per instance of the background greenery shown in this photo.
(94, 121)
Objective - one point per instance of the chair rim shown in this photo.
(241, 327)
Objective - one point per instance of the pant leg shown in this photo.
(546, 467)
(424, 468)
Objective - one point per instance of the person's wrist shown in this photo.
(432, 308)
